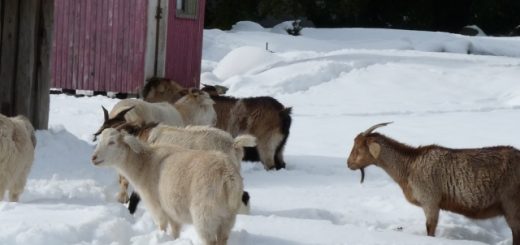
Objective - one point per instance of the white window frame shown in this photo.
(187, 9)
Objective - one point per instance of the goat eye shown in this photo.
(111, 143)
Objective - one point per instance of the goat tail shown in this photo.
(286, 120)
(244, 140)
(285, 116)
(133, 202)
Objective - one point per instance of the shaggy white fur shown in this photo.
(177, 185)
(17, 143)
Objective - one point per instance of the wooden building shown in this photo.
(25, 44)
(114, 46)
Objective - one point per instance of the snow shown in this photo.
(282, 27)
(339, 82)
(480, 32)
(229, 66)
(246, 26)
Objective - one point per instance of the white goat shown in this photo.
(195, 108)
(191, 137)
(17, 143)
(178, 185)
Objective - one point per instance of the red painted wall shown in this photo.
(184, 46)
(99, 45)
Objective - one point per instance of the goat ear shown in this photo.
(133, 143)
(183, 92)
(105, 113)
(374, 149)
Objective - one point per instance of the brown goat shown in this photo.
(263, 117)
(478, 183)
(162, 89)
(214, 89)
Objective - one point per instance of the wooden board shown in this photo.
(26, 28)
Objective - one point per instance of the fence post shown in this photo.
(25, 45)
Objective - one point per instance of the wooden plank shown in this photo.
(119, 45)
(75, 42)
(1, 26)
(106, 36)
(42, 101)
(9, 56)
(92, 45)
(112, 46)
(120, 30)
(99, 37)
(26, 63)
(141, 39)
(22, 42)
(81, 42)
(69, 35)
(86, 47)
(57, 49)
(142, 48)
(134, 74)
(126, 78)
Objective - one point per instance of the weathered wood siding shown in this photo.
(100, 45)
(184, 46)
(26, 34)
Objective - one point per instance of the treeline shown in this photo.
(495, 17)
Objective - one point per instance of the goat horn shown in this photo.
(369, 130)
(121, 114)
(105, 113)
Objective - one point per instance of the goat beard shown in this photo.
(362, 175)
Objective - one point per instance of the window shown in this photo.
(187, 9)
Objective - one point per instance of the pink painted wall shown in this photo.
(99, 45)
(184, 46)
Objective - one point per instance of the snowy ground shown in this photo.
(339, 82)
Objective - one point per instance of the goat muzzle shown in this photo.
(95, 161)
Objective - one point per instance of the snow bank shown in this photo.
(247, 26)
(330, 39)
(282, 27)
(243, 60)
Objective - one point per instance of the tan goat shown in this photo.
(178, 185)
(162, 90)
(195, 108)
(478, 183)
(191, 137)
(17, 143)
